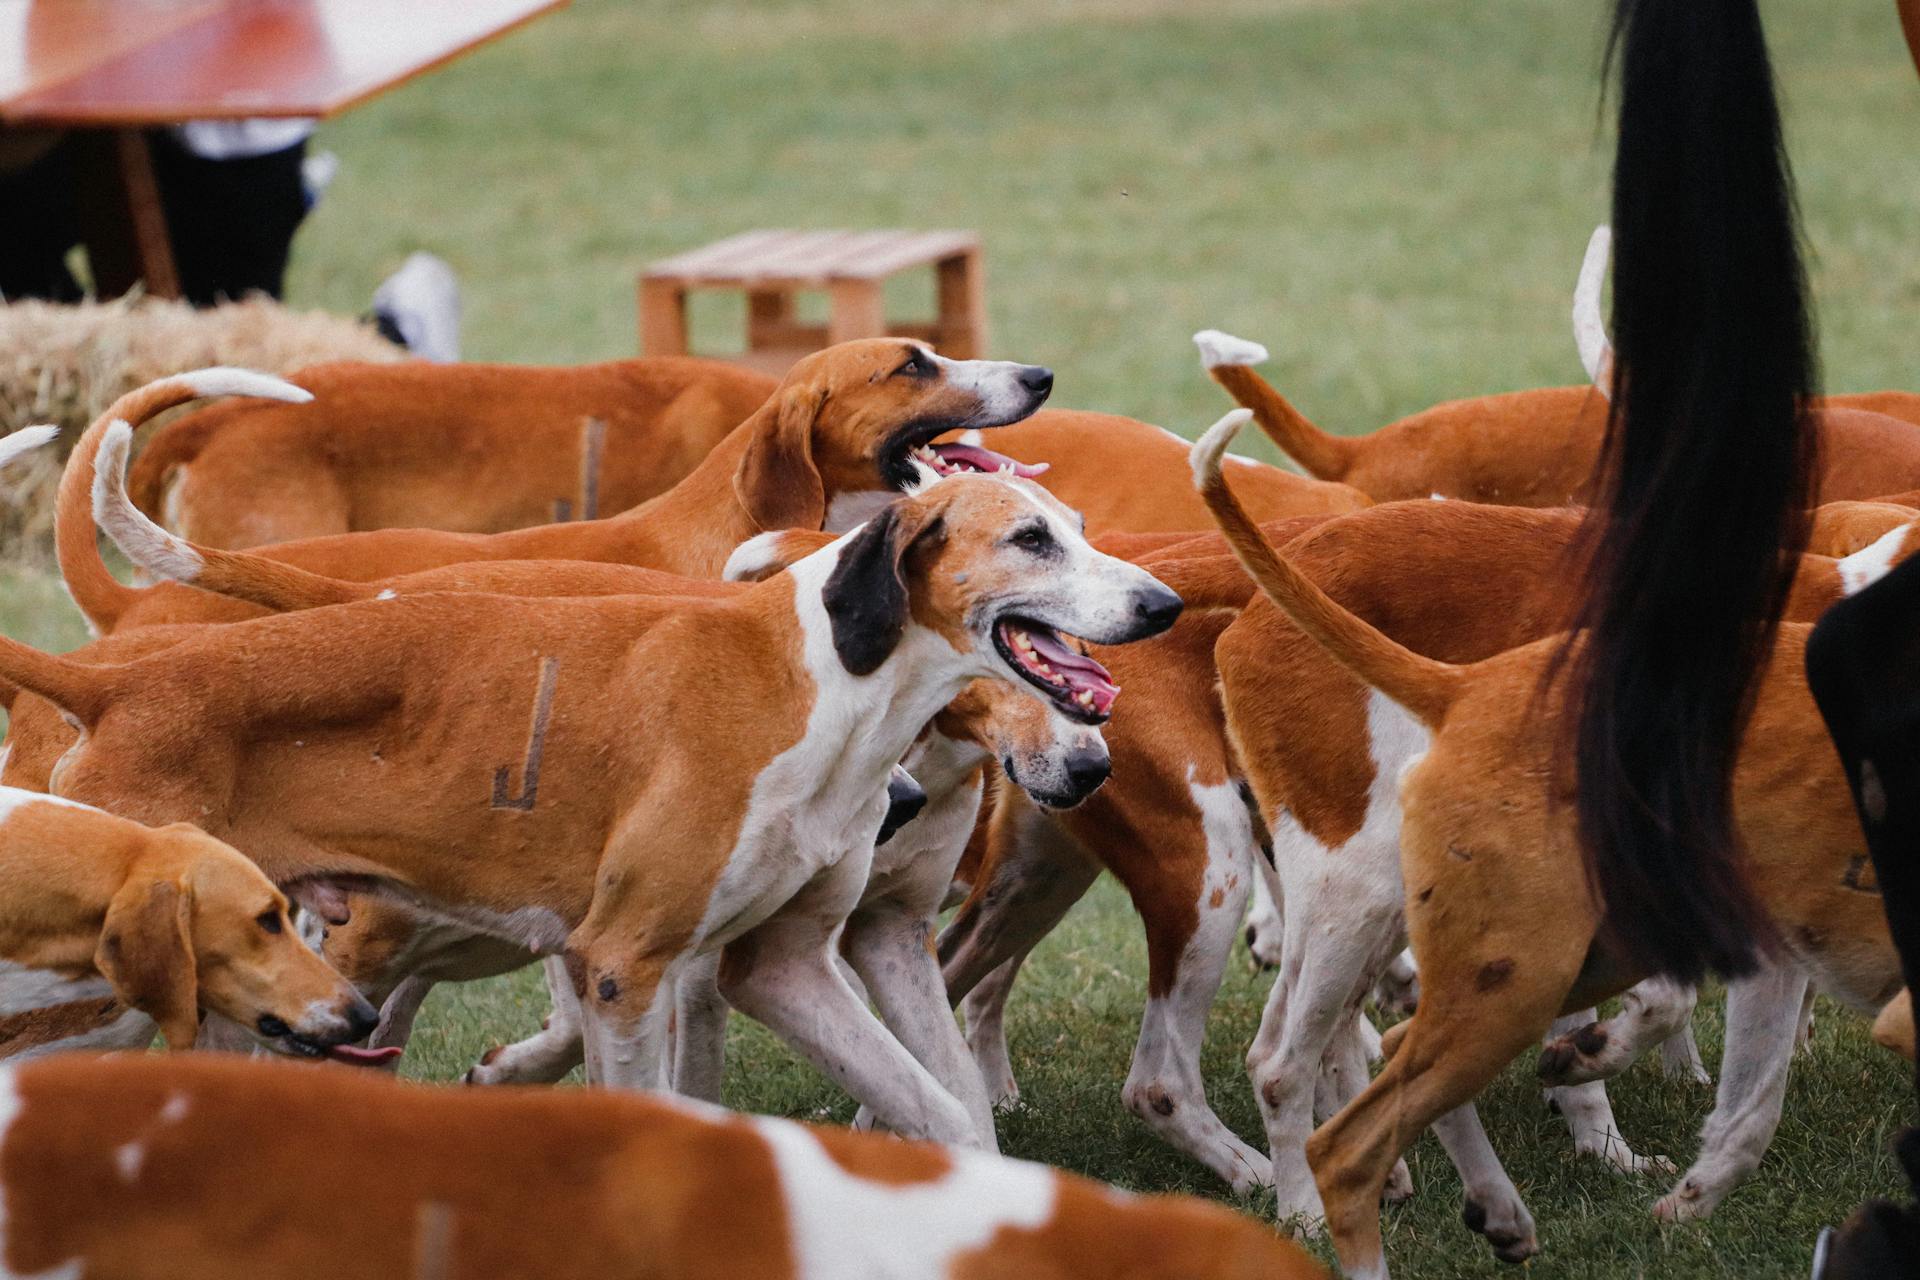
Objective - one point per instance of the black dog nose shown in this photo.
(362, 1018)
(271, 1026)
(1158, 608)
(1037, 379)
(1086, 770)
(905, 799)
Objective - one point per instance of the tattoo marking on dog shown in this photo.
(593, 443)
(536, 745)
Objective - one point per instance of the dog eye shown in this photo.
(268, 920)
(917, 366)
(1033, 538)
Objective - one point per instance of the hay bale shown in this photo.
(64, 364)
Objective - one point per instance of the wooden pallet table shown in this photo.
(851, 267)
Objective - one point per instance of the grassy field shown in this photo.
(1391, 194)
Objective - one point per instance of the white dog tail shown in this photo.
(1589, 326)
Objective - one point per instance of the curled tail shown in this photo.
(1228, 361)
(1421, 685)
(22, 441)
(1589, 325)
(252, 578)
(76, 688)
(102, 597)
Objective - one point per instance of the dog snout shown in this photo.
(905, 799)
(1156, 608)
(361, 1018)
(1037, 379)
(1086, 770)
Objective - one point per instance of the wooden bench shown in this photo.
(851, 267)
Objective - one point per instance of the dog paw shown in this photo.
(1684, 1203)
(1509, 1230)
(1576, 1058)
(1399, 1184)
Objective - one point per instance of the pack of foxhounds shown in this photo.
(850, 655)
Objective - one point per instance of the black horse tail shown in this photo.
(1705, 479)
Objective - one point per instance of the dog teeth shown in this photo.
(1084, 698)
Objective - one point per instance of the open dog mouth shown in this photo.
(1078, 685)
(953, 459)
(287, 1041)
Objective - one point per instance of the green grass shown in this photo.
(1392, 194)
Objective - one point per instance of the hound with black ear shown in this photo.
(109, 930)
(478, 756)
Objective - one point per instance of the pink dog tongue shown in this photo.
(1083, 674)
(977, 458)
(358, 1057)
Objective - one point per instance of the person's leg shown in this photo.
(231, 221)
(38, 220)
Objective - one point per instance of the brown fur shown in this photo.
(1504, 934)
(537, 1184)
(819, 435)
(473, 448)
(170, 916)
(1537, 448)
(1893, 1028)
(1842, 528)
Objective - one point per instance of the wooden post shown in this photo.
(858, 310)
(122, 222)
(663, 318)
(769, 319)
(961, 282)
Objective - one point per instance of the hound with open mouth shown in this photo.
(630, 780)
(834, 443)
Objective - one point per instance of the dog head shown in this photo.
(1056, 760)
(196, 925)
(998, 568)
(841, 433)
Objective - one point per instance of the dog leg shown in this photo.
(1343, 1074)
(1649, 1014)
(1680, 1057)
(700, 1030)
(546, 1057)
(1036, 873)
(784, 975)
(1491, 1206)
(1763, 1018)
(1165, 1087)
(887, 943)
(1263, 929)
(1589, 1113)
(1352, 897)
(397, 1014)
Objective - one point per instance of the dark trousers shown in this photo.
(231, 222)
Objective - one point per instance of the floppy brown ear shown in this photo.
(866, 594)
(776, 481)
(146, 952)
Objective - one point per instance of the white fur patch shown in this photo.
(1589, 328)
(128, 1157)
(12, 798)
(752, 558)
(1217, 348)
(1873, 562)
(24, 440)
(144, 542)
(224, 380)
(844, 1225)
(388, 594)
(1205, 454)
(176, 1108)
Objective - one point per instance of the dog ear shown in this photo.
(146, 952)
(866, 594)
(776, 481)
